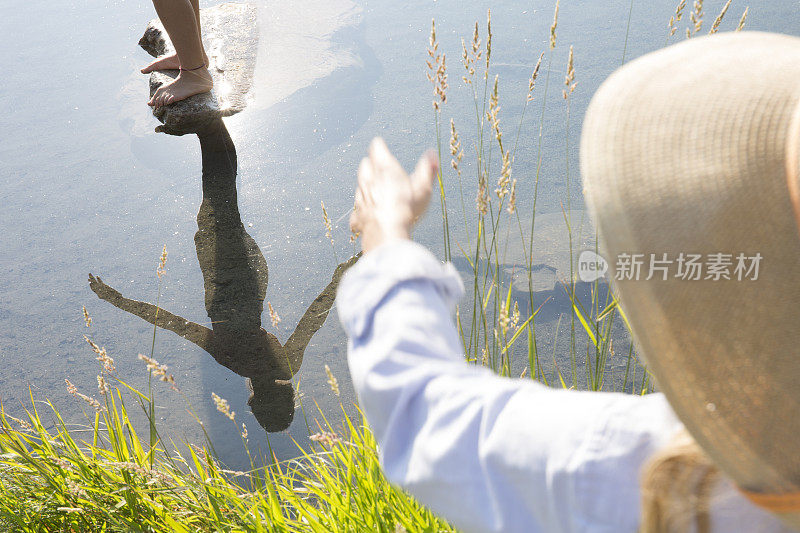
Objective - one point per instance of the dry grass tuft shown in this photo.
(327, 222)
(162, 263)
(674, 19)
(437, 70)
(273, 315)
(534, 75)
(73, 390)
(160, 371)
(553, 28)
(742, 20)
(569, 79)
(223, 406)
(718, 20)
(696, 16)
(332, 381)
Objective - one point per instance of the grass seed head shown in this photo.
(493, 113)
(696, 16)
(160, 371)
(68, 510)
(22, 423)
(674, 19)
(718, 20)
(553, 28)
(102, 356)
(482, 200)
(742, 20)
(62, 463)
(512, 198)
(327, 222)
(73, 390)
(534, 75)
(488, 40)
(75, 491)
(466, 60)
(504, 320)
(437, 70)
(162, 263)
(86, 318)
(455, 148)
(470, 60)
(332, 381)
(273, 315)
(569, 79)
(476, 43)
(223, 406)
(326, 438)
(102, 385)
(504, 181)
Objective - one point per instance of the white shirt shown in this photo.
(490, 453)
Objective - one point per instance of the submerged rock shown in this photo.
(230, 36)
(550, 264)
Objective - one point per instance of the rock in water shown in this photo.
(230, 36)
(550, 264)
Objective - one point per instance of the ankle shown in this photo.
(195, 75)
(194, 69)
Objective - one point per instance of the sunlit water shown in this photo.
(87, 186)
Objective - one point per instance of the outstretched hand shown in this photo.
(103, 291)
(389, 201)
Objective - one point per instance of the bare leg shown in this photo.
(171, 61)
(180, 21)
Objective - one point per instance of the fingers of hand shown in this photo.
(355, 222)
(422, 181)
(382, 158)
(366, 178)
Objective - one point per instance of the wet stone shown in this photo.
(550, 265)
(230, 36)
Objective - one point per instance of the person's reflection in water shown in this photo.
(235, 278)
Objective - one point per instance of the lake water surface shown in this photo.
(87, 186)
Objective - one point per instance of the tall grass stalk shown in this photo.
(487, 331)
(115, 481)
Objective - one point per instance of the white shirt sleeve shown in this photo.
(487, 453)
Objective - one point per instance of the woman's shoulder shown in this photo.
(606, 469)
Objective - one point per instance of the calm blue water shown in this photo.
(87, 186)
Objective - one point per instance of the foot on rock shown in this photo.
(188, 83)
(167, 62)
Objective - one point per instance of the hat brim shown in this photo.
(684, 151)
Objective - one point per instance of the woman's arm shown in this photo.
(487, 453)
(190, 331)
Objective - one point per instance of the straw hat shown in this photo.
(695, 149)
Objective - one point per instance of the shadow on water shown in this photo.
(235, 278)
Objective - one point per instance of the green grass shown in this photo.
(114, 480)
